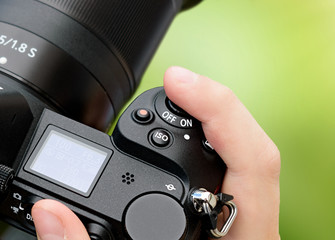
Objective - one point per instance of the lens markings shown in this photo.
(3, 60)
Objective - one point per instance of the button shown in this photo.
(155, 216)
(174, 108)
(208, 146)
(98, 232)
(26, 206)
(172, 114)
(160, 138)
(142, 115)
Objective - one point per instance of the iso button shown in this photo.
(160, 138)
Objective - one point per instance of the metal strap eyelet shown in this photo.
(211, 205)
(229, 222)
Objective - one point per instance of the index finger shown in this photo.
(228, 125)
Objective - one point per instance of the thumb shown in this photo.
(55, 221)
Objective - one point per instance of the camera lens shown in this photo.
(83, 58)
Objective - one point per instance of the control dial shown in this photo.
(6, 175)
(155, 216)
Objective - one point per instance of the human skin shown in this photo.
(252, 159)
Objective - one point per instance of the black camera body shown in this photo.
(135, 184)
(67, 68)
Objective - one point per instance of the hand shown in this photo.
(252, 159)
(55, 221)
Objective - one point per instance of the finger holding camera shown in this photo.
(55, 221)
(252, 159)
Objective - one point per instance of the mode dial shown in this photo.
(6, 175)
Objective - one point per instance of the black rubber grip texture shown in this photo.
(123, 25)
(106, 19)
(6, 174)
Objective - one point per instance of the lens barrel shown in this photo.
(84, 57)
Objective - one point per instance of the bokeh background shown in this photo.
(279, 58)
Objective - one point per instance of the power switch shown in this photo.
(175, 108)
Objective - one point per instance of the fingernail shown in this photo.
(48, 226)
(184, 75)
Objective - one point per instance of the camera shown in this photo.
(67, 68)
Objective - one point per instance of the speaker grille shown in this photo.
(128, 178)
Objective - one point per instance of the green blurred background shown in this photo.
(279, 58)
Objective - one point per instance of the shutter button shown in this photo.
(175, 108)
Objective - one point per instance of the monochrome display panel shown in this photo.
(68, 161)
